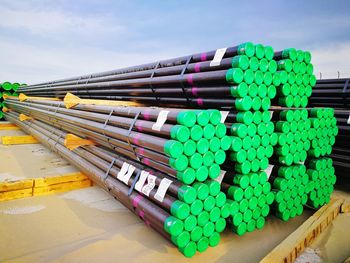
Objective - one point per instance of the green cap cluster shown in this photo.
(249, 198)
(323, 131)
(294, 78)
(8, 89)
(293, 131)
(197, 146)
(321, 181)
(199, 221)
(290, 185)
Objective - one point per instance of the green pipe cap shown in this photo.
(180, 209)
(259, 51)
(173, 226)
(269, 53)
(182, 239)
(189, 250)
(241, 229)
(263, 65)
(241, 62)
(208, 158)
(187, 118)
(189, 147)
(225, 210)
(260, 222)
(214, 187)
(196, 233)
(214, 171)
(234, 76)
(253, 90)
(248, 76)
(214, 116)
(258, 77)
(247, 49)
(272, 67)
(203, 145)
(214, 239)
(196, 161)
(180, 133)
(256, 103)
(202, 173)
(237, 219)
(220, 225)
(225, 142)
(271, 92)
(180, 163)
(188, 176)
(209, 131)
(190, 223)
(196, 132)
(209, 203)
(220, 130)
(202, 244)
(254, 64)
(243, 104)
(187, 194)
(173, 148)
(203, 218)
(202, 117)
(214, 214)
(196, 207)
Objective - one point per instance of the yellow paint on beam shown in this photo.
(72, 141)
(16, 185)
(290, 248)
(62, 187)
(23, 117)
(8, 126)
(23, 97)
(72, 177)
(20, 139)
(10, 195)
(71, 100)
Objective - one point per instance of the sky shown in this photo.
(46, 40)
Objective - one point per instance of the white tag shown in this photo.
(219, 54)
(348, 122)
(271, 114)
(223, 116)
(162, 116)
(141, 181)
(302, 162)
(221, 176)
(268, 170)
(127, 176)
(151, 183)
(162, 188)
(123, 171)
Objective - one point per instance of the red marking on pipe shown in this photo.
(190, 79)
(146, 161)
(197, 67)
(136, 139)
(194, 91)
(204, 57)
(200, 102)
(137, 200)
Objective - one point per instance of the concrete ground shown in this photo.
(88, 225)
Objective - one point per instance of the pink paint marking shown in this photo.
(136, 139)
(136, 200)
(200, 102)
(194, 91)
(142, 214)
(190, 79)
(141, 151)
(146, 115)
(204, 57)
(147, 223)
(138, 126)
(197, 67)
(146, 161)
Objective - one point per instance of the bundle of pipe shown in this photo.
(332, 93)
(9, 89)
(287, 176)
(189, 216)
(295, 74)
(212, 79)
(319, 168)
(341, 152)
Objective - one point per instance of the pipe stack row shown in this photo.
(9, 89)
(334, 93)
(319, 166)
(187, 149)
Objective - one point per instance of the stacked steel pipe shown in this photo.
(181, 149)
(9, 89)
(319, 167)
(335, 93)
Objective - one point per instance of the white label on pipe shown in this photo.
(151, 183)
(271, 114)
(221, 176)
(127, 176)
(162, 117)
(123, 171)
(141, 181)
(162, 188)
(268, 170)
(348, 122)
(223, 116)
(219, 54)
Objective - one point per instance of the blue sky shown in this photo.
(45, 40)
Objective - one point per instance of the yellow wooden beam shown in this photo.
(72, 141)
(62, 187)
(23, 97)
(16, 185)
(290, 248)
(10, 195)
(71, 100)
(8, 126)
(18, 139)
(71, 177)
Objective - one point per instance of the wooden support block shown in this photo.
(21, 139)
(5, 196)
(290, 248)
(72, 177)
(16, 185)
(8, 126)
(72, 141)
(63, 187)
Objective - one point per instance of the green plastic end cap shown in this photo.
(220, 199)
(241, 90)
(180, 163)
(196, 207)
(214, 239)
(256, 105)
(236, 193)
(214, 187)
(202, 244)
(180, 209)
(6, 85)
(226, 210)
(264, 65)
(307, 57)
(173, 226)
(241, 62)
(196, 132)
(272, 66)
(234, 76)
(312, 80)
(300, 55)
(187, 177)
(271, 91)
(187, 194)
(189, 147)
(203, 145)
(259, 51)
(259, 77)
(283, 76)
(202, 191)
(196, 161)
(203, 117)
(225, 142)
(220, 157)
(220, 225)
(268, 78)
(290, 53)
(187, 118)
(214, 171)
(269, 53)
(265, 103)
(173, 148)
(209, 131)
(236, 144)
(214, 117)
(260, 222)
(182, 239)
(220, 130)
(208, 229)
(241, 229)
(248, 76)
(247, 49)
(243, 104)
(189, 250)
(254, 63)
